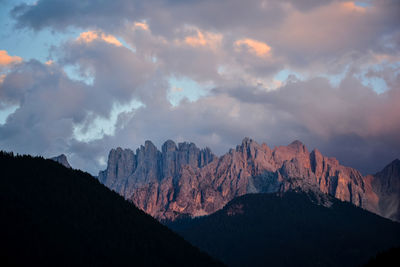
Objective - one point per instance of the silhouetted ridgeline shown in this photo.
(52, 215)
(290, 229)
(389, 257)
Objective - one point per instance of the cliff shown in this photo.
(185, 180)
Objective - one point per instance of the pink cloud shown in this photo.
(256, 47)
(6, 59)
(204, 39)
(90, 36)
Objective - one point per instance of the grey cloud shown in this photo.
(33, 81)
(298, 111)
(302, 35)
(117, 72)
(350, 121)
(51, 104)
(60, 14)
(163, 15)
(306, 5)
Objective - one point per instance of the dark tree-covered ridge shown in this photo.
(52, 215)
(290, 229)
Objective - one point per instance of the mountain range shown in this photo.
(183, 180)
(282, 207)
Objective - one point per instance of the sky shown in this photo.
(80, 77)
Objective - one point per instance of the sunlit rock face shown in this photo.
(185, 180)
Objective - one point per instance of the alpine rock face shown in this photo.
(185, 180)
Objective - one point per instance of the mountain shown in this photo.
(62, 159)
(56, 216)
(384, 190)
(149, 177)
(290, 229)
(185, 180)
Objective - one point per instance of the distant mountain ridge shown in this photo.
(185, 180)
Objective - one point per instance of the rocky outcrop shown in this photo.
(148, 176)
(184, 180)
(62, 159)
(383, 191)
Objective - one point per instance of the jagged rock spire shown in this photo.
(183, 179)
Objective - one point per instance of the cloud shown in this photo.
(2, 76)
(233, 51)
(258, 48)
(52, 106)
(6, 59)
(352, 7)
(176, 89)
(350, 118)
(90, 36)
(304, 35)
(206, 39)
(48, 106)
(141, 25)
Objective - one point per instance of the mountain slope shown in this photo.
(184, 180)
(290, 229)
(52, 215)
(385, 190)
(62, 159)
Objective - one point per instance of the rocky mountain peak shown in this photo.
(297, 145)
(127, 170)
(149, 146)
(183, 179)
(250, 149)
(394, 166)
(385, 190)
(168, 146)
(247, 141)
(390, 170)
(62, 159)
(186, 146)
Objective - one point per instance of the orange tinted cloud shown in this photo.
(351, 6)
(6, 59)
(90, 36)
(141, 25)
(258, 48)
(211, 40)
